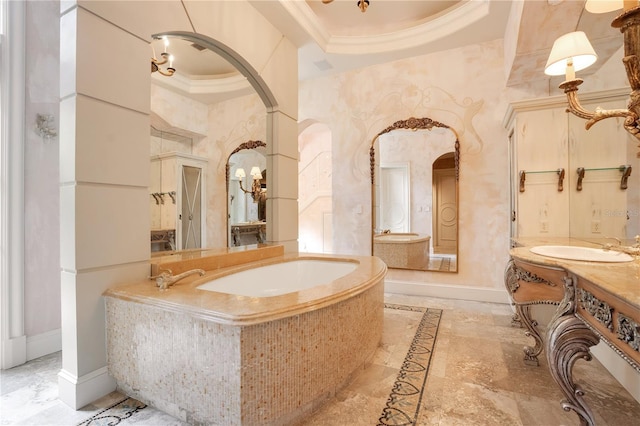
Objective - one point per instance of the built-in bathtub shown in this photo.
(280, 278)
(402, 250)
(204, 355)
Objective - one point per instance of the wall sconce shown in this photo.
(256, 187)
(45, 127)
(166, 57)
(573, 52)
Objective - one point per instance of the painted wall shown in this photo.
(315, 234)
(463, 88)
(41, 168)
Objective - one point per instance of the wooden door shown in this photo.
(445, 227)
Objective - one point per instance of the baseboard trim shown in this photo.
(14, 352)
(44, 344)
(446, 291)
(77, 392)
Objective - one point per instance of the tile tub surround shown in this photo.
(215, 358)
(400, 250)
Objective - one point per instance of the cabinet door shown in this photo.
(191, 207)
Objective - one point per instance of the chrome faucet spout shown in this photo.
(166, 279)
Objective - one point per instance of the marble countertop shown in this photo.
(621, 279)
(243, 310)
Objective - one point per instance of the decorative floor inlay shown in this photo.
(403, 405)
(115, 414)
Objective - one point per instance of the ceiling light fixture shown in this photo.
(572, 52)
(362, 4)
(166, 57)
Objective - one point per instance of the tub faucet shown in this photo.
(166, 278)
(633, 250)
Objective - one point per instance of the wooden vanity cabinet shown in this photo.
(611, 318)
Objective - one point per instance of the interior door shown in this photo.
(394, 202)
(191, 220)
(446, 216)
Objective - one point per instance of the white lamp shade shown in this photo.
(603, 6)
(240, 172)
(573, 46)
(256, 173)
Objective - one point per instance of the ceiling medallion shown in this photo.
(362, 4)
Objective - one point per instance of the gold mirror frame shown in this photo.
(246, 145)
(414, 124)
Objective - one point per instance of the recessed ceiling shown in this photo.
(344, 17)
(338, 37)
(201, 74)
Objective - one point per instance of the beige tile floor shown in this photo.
(476, 377)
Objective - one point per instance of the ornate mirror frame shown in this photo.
(246, 145)
(414, 124)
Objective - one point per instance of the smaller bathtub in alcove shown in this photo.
(214, 350)
(402, 250)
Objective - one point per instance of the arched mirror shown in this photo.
(415, 166)
(246, 178)
(200, 112)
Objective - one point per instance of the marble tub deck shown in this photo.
(476, 377)
(220, 358)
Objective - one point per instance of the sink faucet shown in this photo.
(633, 250)
(166, 278)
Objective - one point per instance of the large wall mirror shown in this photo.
(200, 113)
(567, 181)
(246, 176)
(604, 178)
(414, 179)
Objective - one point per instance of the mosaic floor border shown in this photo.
(115, 414)
(403, 405)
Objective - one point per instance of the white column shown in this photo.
(282, 176)
(14, 342)
(104, 178)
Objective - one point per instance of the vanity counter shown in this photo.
(595, 301)
(621, 279)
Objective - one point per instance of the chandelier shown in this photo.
(573, 52)
(362, 4)
(166, 57)
(256, 187)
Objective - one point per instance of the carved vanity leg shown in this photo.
(522, 317)
(511, 283)
(530, 354)
(569, 339)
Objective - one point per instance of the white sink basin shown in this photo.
(581, 253)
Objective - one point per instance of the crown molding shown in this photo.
(444, 25)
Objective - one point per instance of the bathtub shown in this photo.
(216, 350)
(280, 278)
(402, 250)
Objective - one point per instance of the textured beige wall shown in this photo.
(463, 88)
